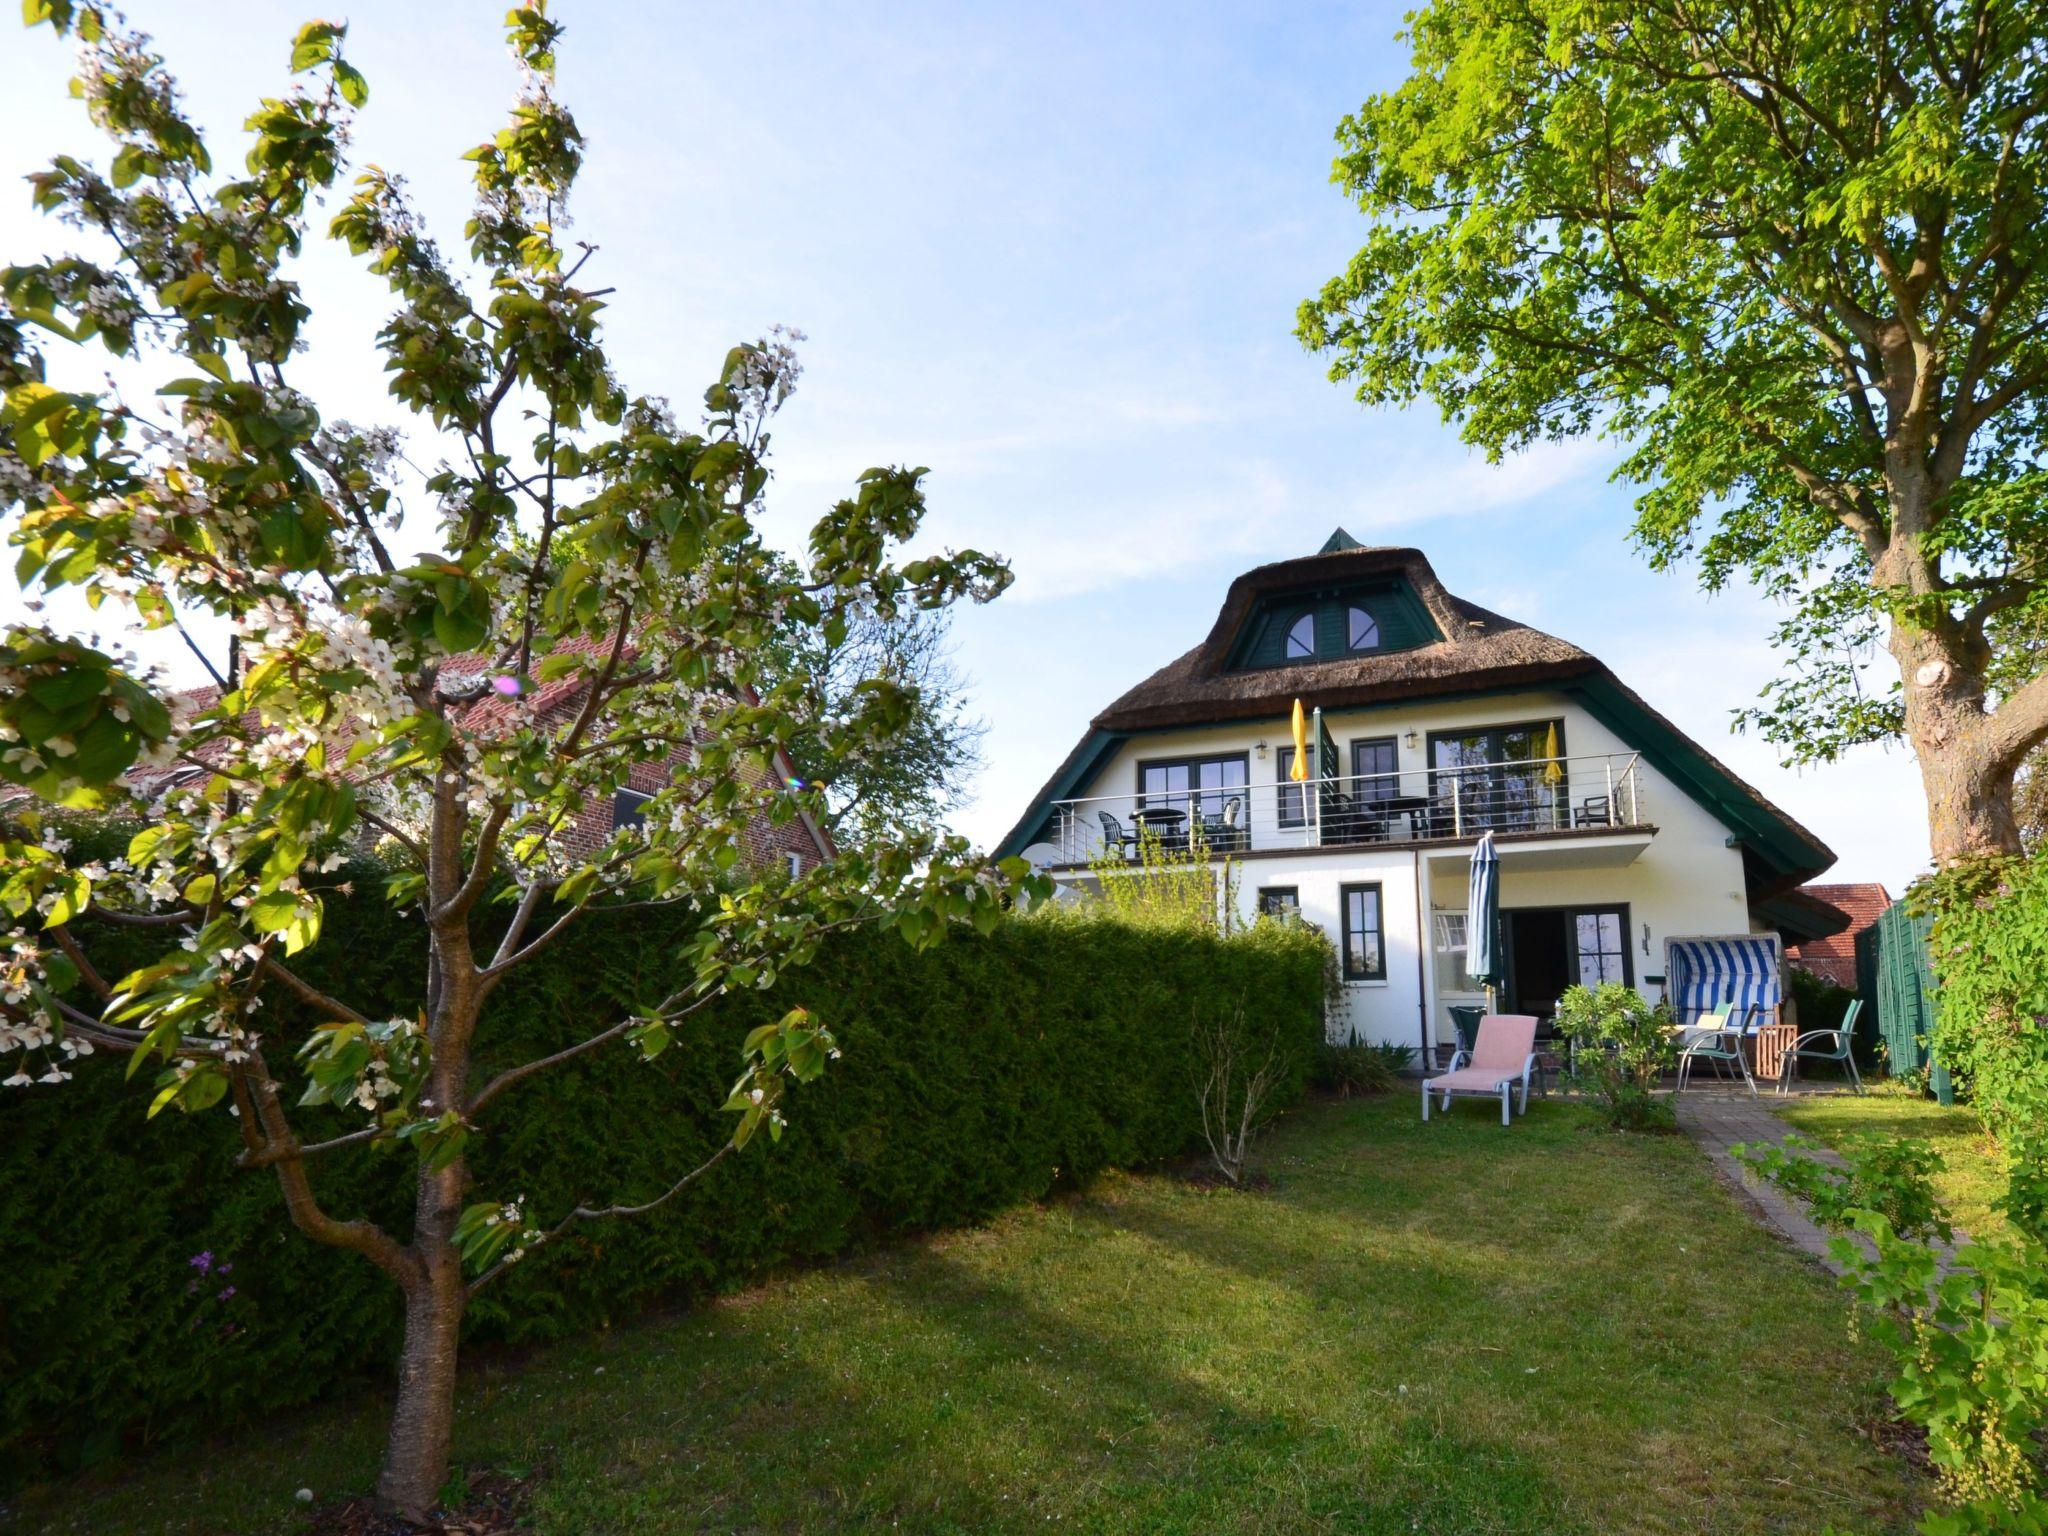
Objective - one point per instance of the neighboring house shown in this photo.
(1437, 720)
(1834, 955)
(797, 844)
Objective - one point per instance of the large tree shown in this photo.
(1790, 254)
(924, 774)
(456, 666)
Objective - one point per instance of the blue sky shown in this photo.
(1052, 252)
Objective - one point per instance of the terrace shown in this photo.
(1215, 805)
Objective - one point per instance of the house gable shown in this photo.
(1455, 649)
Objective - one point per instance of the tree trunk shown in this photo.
(422, 1420)
(1967, 776)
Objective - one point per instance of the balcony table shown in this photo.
(1165, 822)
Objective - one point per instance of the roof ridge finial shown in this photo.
(1338, 542)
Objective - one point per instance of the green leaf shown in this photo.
(355, 90)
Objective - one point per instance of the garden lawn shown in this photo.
(1973, 1173)
(1445, 1328)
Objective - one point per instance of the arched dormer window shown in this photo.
(1361, 630)
(1301, 638)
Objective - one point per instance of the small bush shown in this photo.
(1622, 1044)
(1970, 1344)
(1236, 1070)
(1893, 1177)
(1353, 1067)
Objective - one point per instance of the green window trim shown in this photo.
(1290, 800)
(1297, 647)
(1361, 913)
(1398, 619)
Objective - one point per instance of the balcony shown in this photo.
(1539, 798)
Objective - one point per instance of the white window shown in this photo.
(1450, 932)
(795, 862)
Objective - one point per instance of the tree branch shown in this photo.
(589, 1213)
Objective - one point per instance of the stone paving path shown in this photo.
(1718, 1121)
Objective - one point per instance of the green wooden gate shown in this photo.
(1896, 980)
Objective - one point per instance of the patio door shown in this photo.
(1504, 777)
(1547, 949)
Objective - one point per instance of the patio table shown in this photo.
(1165, 822)
(1411, 806)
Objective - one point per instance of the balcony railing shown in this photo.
(1555, 795)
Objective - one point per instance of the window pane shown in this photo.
(1375, 765)
(1291, 813)
(1361, 933)
(1301, 637)
(1363, 630)
(1601, 944)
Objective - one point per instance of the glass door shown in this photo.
(1505, 777)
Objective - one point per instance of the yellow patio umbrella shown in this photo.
(1553, 770)
(1299, 772)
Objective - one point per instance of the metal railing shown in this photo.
(1559, 795)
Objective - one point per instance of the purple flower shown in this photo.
(226, 1292)
(507, 685)
(203, 1262)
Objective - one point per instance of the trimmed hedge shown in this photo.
(148, 1288)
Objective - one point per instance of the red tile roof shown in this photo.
(1835, 956)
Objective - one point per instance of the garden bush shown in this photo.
(1989, 945)
(980, 1073)
(1621, 1045)
(1968, 1330)
(1352, 1066)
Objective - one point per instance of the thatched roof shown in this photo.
(1480, 650)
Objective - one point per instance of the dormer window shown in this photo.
(1301, 638)
(1361, 630)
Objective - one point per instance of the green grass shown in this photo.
(1973, 1172)
(1445, 1328)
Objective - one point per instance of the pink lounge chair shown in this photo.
(1504, 1053)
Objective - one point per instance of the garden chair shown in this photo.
(1233, 838)
(1714, 1040)
(1841, 1040)
(1504, 1054)
(1594, 811)
(1114, 835)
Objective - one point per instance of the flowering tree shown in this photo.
(595, 601)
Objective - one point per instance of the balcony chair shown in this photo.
(1503, 1054)
(1235, 836)
(1594, 811)
(1114, 835)
(1841, 1041)
(1715, 1040)
(1222, 832)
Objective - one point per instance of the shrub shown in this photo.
(1623, 1043)
(1970, 1337)
(1236, 1069)
(978, 1074)
(1351, 1066)
(1888, 1175)
(1989, 945)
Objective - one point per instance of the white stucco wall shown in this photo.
(1687, 881)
